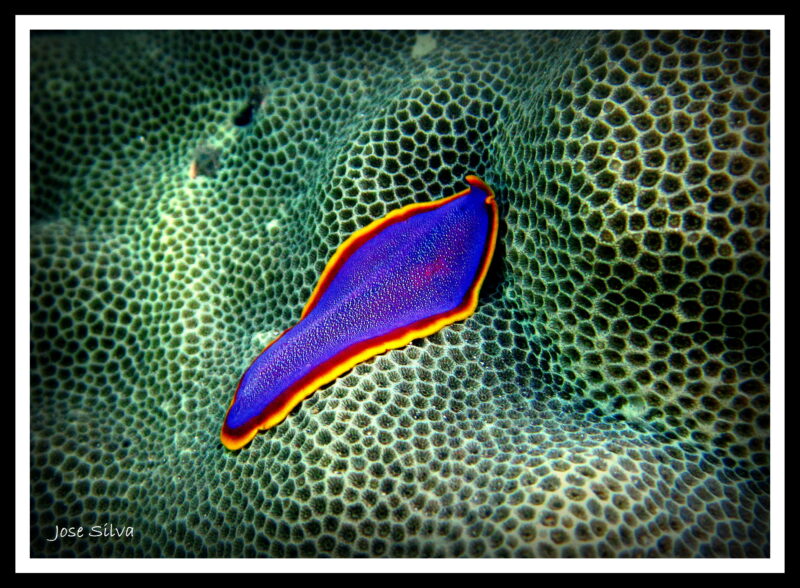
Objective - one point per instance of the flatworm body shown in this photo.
(402, 277)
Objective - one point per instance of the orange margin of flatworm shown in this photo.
(461, 312)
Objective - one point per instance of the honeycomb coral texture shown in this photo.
(610, 396)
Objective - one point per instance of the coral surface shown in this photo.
(610, 396)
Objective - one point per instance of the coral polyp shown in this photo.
(609, 396)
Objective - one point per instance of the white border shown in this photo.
(24, 24)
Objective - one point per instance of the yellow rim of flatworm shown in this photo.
(471, 303)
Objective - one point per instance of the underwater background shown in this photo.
(609, 397)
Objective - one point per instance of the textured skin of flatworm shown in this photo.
(402, 277)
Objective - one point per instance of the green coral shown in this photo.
(608, 398)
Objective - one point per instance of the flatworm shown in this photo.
(403, 276)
